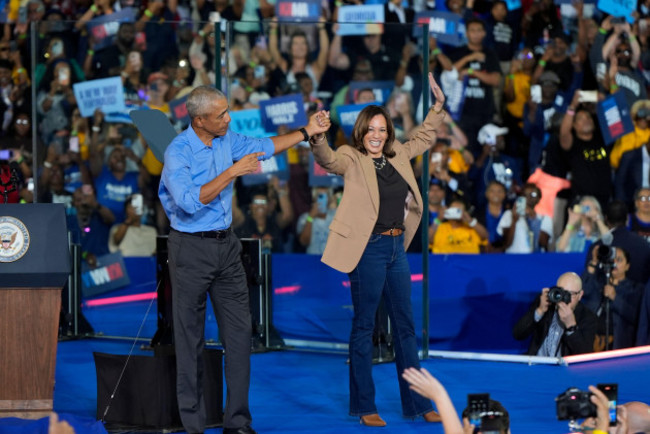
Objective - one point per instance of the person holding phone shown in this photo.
(313, 227)
(196, 192)
(459, 232)
(131, 237)
(374, 224)
(584, 226)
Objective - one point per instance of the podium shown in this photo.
(35, 264)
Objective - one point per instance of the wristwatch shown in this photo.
(572, 329)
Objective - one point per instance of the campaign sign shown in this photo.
(109, 274)
(319, 177)
(105, 27)
(513, 5)
(178, 110)
(614, 117)
(248, 122)
(445, 26)
(348, 115)
(293, 10)
(277, 166)
(618, 8)
(361, 20)
(106, 94)
(286, 110)
(571, 2)
(381, 89)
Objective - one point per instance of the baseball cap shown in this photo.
(488, 134)
(156, 76)
(549, 76)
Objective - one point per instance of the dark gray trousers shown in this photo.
(197, 267)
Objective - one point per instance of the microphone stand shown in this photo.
(608, 276)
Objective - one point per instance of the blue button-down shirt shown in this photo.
(189, 164)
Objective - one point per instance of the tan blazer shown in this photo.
(359, 208)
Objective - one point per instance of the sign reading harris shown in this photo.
(106, 94)
(105, 27)
(361, 20)
(285, 110)
(348, 115)
(618, 8)
(445, 26)
(292, 10)
(614, 117)
(249, 123)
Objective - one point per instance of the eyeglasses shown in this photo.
(643, 198)
(22, 121)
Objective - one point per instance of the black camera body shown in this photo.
(574, 404)
(557, 294)
(606, 255)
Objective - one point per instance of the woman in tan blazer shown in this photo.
(374, 224)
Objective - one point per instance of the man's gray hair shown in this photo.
(200, 98)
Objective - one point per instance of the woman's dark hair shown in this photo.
(361, 127)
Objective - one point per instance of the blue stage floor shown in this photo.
(296, 391)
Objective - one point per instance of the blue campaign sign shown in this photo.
(319, 177)
(381, 89)
(445, 26)
(361, 19)
(571, 2)
(105, 27)
(293, 10)
(178, 110)
(513, 4)
(286, 110)
(614, 117)
(107, 275)
(106, 94)
(248, 122)
(618, 8)
(348, 116)
(277, 166)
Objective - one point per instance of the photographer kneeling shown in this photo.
(607, 288)
(558, 323)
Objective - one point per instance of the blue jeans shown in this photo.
(383, 269)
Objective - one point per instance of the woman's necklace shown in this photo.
(381, 164)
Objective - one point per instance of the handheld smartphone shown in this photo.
(57, 48)
(536, 93)
(73, 144)
(611, 392)
(137, 203)
(260, 42)
(141, 40)
(618, 20)
(322, 202)
(477, 404)
(64, 76)
(436, 157)
(588, 96)
(6, 154)
(214, 17)
(30, 184)
(154, 86)
(520, 205)
(453, 213)
(260, 71)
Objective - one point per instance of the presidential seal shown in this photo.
(14, 239)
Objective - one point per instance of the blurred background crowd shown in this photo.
(521, 164)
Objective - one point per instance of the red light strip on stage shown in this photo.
(414, 278)
(122, 299)
(579, 358)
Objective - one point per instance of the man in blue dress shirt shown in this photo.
(196, 190)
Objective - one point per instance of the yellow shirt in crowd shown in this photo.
(461, 239)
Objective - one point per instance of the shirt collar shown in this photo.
(196, 144)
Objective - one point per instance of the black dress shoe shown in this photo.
(243, 430)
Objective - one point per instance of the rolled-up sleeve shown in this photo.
(178, 182)
(242, 145)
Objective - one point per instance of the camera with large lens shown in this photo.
(558, 294)
(574, 404)
(606, 255)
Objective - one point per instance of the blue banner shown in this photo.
(277, 166)
(618, 8)
(248, 122)
(571, 2)
(319, 177)
(348, 116)
(381, 89)
(107, 275)
(447, 27)
(513, 4)
(293, 10)
(105, 27)
(286, 110)
(106, 94)
(614, 117)
(361, 20)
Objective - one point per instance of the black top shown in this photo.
(590, 169)
(392, 195)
